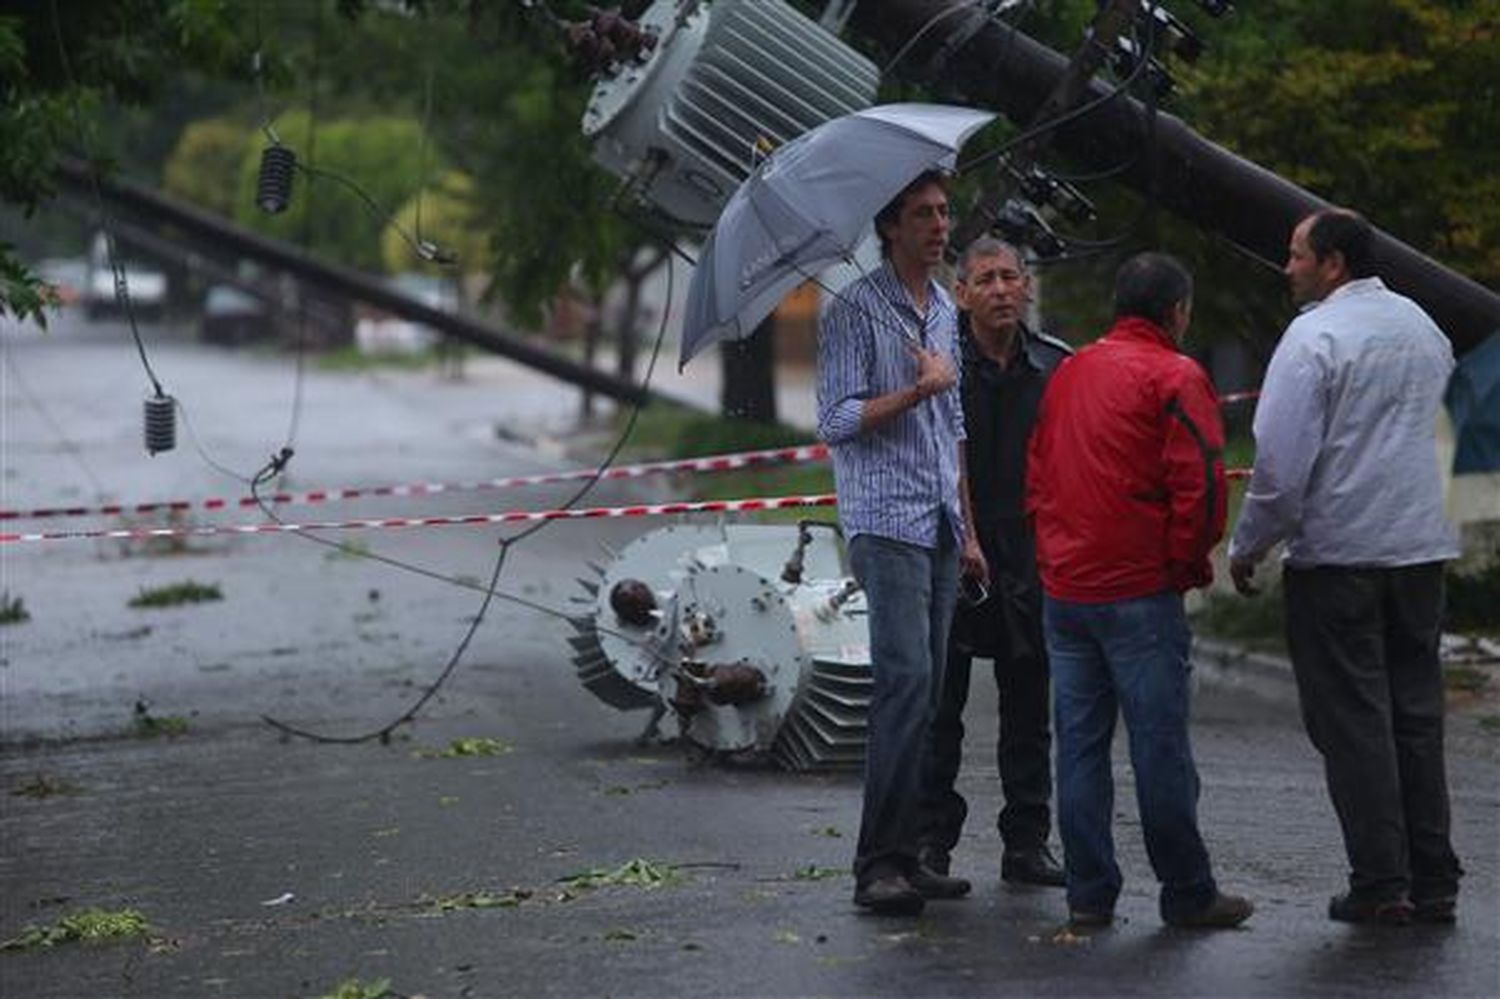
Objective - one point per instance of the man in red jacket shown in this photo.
(1126, 482)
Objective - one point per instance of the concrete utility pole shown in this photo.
(1203, 183)
(1090, 57)
(194, 223)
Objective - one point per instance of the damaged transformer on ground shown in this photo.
(753, 638)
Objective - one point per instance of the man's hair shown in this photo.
(891, 213)
(985, 247)
(1148, 285)
(1339, 230)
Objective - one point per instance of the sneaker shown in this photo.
(1032, 867)
(930, 884)
(1434, 910)
(890, 895)
(1224, 912)
(1349, 908)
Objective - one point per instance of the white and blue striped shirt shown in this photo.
(895, 480)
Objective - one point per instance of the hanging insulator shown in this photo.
(273, 191)
(161, 423)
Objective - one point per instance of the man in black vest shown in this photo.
(1005, 370)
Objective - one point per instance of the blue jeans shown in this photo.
(1130, 656)
(911, 592)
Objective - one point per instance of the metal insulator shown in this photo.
(273, 190)
(161, 423)
(633, 602)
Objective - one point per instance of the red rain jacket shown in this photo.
(1125, 474)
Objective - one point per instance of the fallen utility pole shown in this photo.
(1205, 184)
(1109, 24)
(195, 223)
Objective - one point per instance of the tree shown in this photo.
(206, 163)
(441, 213)
(61, 62)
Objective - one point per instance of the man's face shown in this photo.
(920, 234)
(996, 292)
(1310, 279)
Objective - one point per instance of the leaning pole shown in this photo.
(1203, 183)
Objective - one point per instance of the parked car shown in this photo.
(146, 286)
(232, 317)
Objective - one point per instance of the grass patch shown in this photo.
(1257, 622)
(1465, 679)
(149, 726)
(473, 746)
(481, 900)
(636, 873)
(812, 872)
(1490, 723)
(354, 988)
(41, 786)
(176, 594)
(88, 926)
(13, 609)
(350, 359)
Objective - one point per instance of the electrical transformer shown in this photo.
(752, 637)
(710, 88)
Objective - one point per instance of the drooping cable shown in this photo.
(491, 591)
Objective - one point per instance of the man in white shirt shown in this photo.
(1346, 474)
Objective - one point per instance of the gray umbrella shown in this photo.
(806, 208)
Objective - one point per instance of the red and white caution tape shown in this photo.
(508, 517)
(711, 463)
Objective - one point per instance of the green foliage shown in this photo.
(150, 726)
(88, 926)
(1388, 106)
(445, 213)
(636, 873)
(204, 167)
(471, 746)
(354, 988)
(175, 594)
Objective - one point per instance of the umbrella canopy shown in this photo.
(806, 208)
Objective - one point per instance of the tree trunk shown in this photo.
(749, 390)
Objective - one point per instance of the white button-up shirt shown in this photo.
(1346, 465)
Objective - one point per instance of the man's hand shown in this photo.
(1242, 571)
(972, 564)
(934, 372)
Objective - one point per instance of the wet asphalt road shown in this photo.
(381, 847)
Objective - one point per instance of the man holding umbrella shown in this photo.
(888, 405)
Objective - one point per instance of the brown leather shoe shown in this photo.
(889, 895)
(1224, 912)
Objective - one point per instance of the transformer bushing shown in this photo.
(697, 622)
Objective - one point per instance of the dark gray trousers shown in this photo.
(1364, 645)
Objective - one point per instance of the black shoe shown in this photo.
(1434, 910)
(931, 884)
(1032, 867)
(1349, 908)
(891, 895)
(935, 859)
(1224, 912)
